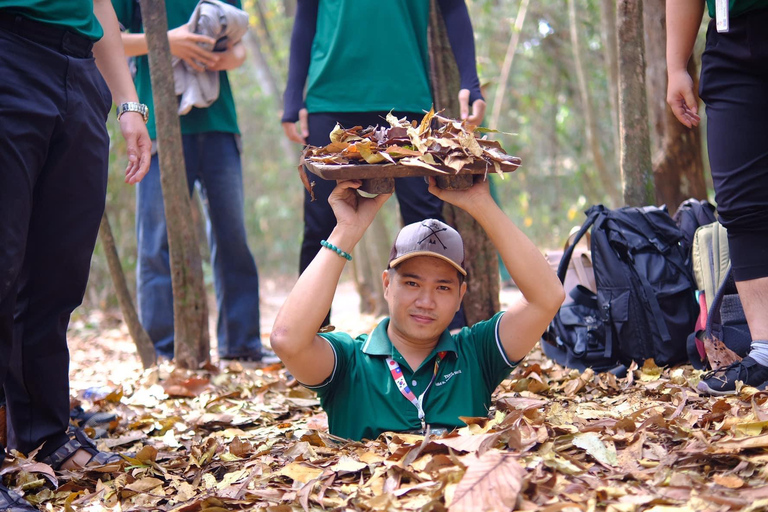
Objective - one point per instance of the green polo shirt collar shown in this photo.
(379, 344)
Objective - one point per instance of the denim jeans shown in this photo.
(213, 163)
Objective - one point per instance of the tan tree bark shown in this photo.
(190, 311)
(610, 51)
(607, 179)
(678, 167)
(144, 345)
(482, 298)
(506, 67)
(636, 175)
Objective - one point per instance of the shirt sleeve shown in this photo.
(302, 37)
(462, 39)
(343, 347)
(493, 359)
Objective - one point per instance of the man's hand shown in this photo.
(468, 200)
(681, 98)
(139, 146)
(478, 108)
(231, 58)
(184, 45)
(295, 135)
(352, 210)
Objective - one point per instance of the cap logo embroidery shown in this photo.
(433, 233)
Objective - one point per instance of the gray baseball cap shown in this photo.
(429, 237)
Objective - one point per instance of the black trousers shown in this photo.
(53, 160)
(734, 86)
(415, 201)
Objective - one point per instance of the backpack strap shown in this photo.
(562, 268)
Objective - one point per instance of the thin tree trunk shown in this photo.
(636, 174)
(190, 311)
(269, 86)
(482, 298)
(144, 345)
(506, 68)
(593, 140)
(610, 46)
(678, 167)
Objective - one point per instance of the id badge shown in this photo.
(721, 15)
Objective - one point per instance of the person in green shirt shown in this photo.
(734, 87)
(352, 62)
(211, 143)
(410, 372)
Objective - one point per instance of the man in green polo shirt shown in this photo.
(410, 372)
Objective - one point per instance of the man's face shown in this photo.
(423, 295)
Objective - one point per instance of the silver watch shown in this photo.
(132, 106)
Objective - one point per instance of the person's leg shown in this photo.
(68, 202)
(733, 84)
(154, 294)
(235, 275)
(26, 113)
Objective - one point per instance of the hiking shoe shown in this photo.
(12, 502)
(722, 381)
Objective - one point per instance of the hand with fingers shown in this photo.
(352, 210)
(478, 108)
(477, 195)
(191, 48)
(298, 135)
(681, 98)
(138, 145)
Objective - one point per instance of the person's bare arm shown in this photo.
(294, 335)
(523, 323)
(110, 59)
(683, 20)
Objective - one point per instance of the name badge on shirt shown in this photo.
(721, 15)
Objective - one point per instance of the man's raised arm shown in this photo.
(525, 320)
(294, 335)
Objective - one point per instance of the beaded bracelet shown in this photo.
(335, 249)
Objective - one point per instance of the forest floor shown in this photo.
(235, 437)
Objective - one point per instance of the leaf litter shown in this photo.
(244, 438)
(437, 143)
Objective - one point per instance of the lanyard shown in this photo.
(402, 385)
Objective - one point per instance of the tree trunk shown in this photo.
(611, 47)
(636, 175)
(678, 168)
(506, 68)
(482, 298)
(144, 345)
(593, 139)
(190, 311)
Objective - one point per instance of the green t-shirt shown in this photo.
(75, 15)
(738, 7)
(220, 116)
(362, 399)
(370, 56)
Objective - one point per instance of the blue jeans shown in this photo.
(213, 162)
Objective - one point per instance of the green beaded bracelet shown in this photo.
(335, 249)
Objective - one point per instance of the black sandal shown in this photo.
(81, 441)
(12, 502)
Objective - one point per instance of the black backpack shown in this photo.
(644, 306)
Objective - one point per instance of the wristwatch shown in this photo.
(132, 106)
